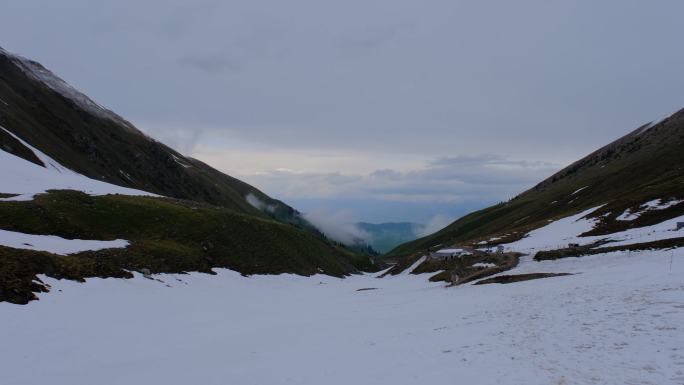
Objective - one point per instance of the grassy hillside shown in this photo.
(644, 165)
(166, 235)
(209, 220)
(95, 142)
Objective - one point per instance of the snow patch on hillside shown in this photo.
(46, 160)
(484, 265)
(55, 244)
(656, 204)
(579, 190)
(26, 179)
(415, 265)
(565, 231)
(179, 161)
(555, 234)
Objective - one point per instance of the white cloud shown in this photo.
(435, 224)
(179, 138)
(259, 204)
(339, 226)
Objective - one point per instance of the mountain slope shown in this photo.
(83, 193)
(643, 166)
(159, 235)
(43, 110)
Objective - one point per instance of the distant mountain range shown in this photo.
(386, 236)
(64, 156)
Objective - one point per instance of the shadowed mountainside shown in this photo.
(83, 136)
(204, 218)
(644, 165)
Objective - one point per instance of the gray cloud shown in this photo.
(212, 64)
(369, 41)
(181, 140)
(436, 78)
(475, 179)
(182, 18)
(534, 84)
(487, 159)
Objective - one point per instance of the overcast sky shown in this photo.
(385, 109)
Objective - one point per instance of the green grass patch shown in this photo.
(166, 235)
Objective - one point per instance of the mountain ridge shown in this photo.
(76, 173)
(641, 166)
(80, 134)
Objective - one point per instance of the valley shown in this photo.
(168, 251)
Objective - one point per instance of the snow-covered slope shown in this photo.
(26, 179)
(616, 321)
(656, 204)
(21, 177)
(55, 244)
(563, 232)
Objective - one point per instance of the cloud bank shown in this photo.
(463, 96)
(339, 226)
(435, 224)
(447, 180)
(443, 189)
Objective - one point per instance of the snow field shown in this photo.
(616, 321)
